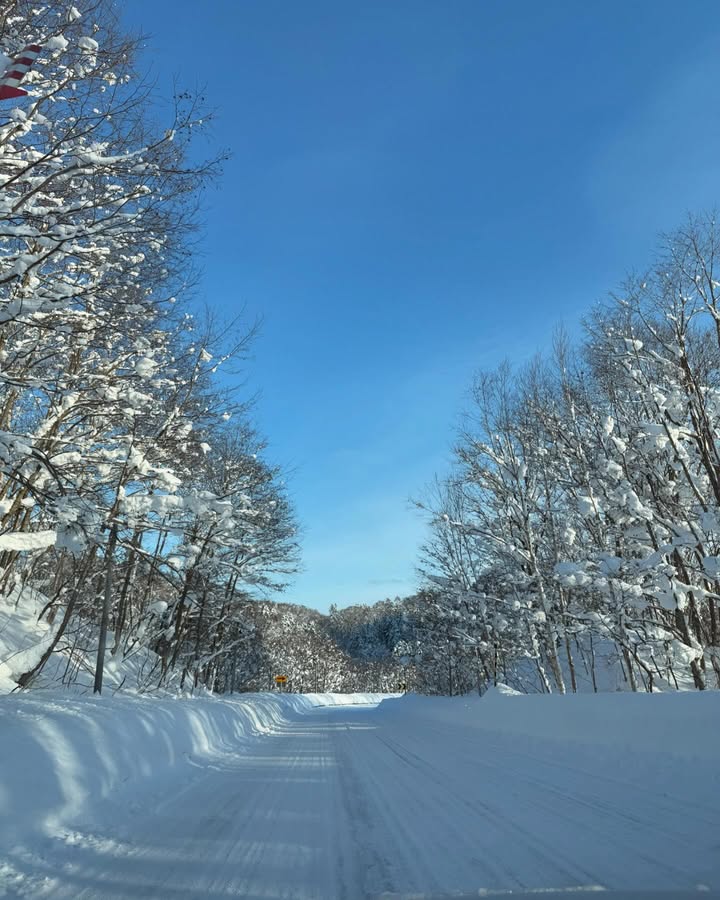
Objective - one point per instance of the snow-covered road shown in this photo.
(351, 802)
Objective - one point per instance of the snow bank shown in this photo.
(64, 757)
(344, 699)
(683, 724)
(23, 636)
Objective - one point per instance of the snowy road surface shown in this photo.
(351, 802)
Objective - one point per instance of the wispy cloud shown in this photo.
(664, 161)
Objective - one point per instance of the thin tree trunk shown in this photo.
(107, 596)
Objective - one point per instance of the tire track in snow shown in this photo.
(406, 856)
(549, 856)
(540, 796)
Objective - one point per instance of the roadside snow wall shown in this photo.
(63, 755)
(676, 724)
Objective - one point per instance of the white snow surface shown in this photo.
(332, 796)
(27, 540)
(25, 634)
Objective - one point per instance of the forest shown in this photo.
(573, 546)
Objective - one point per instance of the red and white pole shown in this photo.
(16, 71)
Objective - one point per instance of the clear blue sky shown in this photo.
(417, 190)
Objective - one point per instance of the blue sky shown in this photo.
(417, 191)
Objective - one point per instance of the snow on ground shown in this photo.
(327, 796)
(23, 638)
(683, 724)
(25, 634)
(64, 755)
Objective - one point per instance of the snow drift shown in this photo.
(685, 724)
(63, 756)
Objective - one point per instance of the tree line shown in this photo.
(575, 545)
(577, 538)
(134, 492)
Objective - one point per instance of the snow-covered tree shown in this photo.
(582, 516)
(133, 493)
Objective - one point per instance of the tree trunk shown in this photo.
(107, 597)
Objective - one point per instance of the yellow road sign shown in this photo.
(281, 679)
